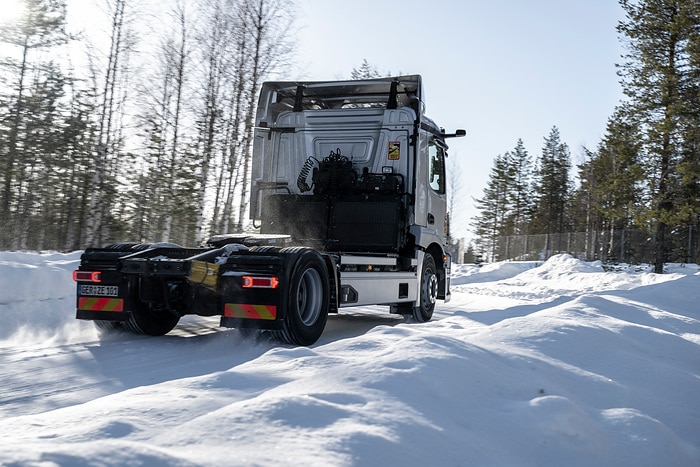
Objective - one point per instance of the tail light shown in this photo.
(259, 282)
(87, 276)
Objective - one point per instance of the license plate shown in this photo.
(99, 290)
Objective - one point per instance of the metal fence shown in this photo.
(625, 246)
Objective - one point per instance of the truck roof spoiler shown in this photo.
(389, 93)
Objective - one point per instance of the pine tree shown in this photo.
(521, 191)
(621, 175)
(610, 192)
(42, 26)
(365, 71)
(660, 78)
(586, 216)
(40, 178)
(688, 202)
(78, 131)
(494, 207)
(552, 186)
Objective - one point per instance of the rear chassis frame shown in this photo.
(200, 281)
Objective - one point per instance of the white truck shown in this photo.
(349, 202)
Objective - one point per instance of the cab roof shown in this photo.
(390, 93)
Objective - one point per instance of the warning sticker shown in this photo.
(239, 310)
(100, 304)
(394, 150)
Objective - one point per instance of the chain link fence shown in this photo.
(624, 246)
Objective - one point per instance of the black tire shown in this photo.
(152, 319)
(265, 249)
(428, 290)
(120, 246)
(105, 327)
(307, 308)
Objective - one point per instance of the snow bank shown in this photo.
(559, 364)
(37, 295)
(560, 275)
(468, 273)
(33, 276)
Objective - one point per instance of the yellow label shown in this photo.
(394, 150)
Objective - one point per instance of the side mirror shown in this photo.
(456, 134)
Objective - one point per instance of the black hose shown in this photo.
(301, 179)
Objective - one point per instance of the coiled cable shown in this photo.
(304, 173)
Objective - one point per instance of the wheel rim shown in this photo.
(309, 297)
(433, 288)
(430, 288)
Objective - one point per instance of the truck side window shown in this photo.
(437, 168)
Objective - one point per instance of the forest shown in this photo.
(144, 133)
(636, 197)
(108, 138)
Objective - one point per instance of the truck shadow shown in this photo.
(198, 346)
(357, 322)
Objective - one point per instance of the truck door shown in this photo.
(437, 192)
(431, 190)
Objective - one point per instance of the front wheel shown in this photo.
(428, 290)
(308, 302)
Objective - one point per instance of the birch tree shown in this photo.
(268, 24)
(214, 61)
(110, 94)
(159, 198)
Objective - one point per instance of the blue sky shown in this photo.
(500, 69)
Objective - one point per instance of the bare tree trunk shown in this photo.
(665, 203)
(12, 146)
(238, 132)
(211, 114)
(258, 15)
(269, 21)
(221, 220)
(181, 57)
(97, 209)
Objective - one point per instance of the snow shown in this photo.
(530, 364)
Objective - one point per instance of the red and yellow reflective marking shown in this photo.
(100, 304)
(240, 310)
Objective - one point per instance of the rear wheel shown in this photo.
(308, 302)
(152, 319)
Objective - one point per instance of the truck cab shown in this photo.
(356, 169)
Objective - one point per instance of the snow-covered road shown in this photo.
(529, 364)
